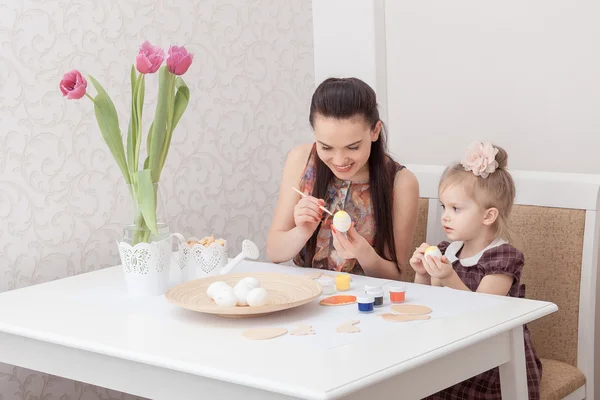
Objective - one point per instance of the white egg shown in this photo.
(241, 291)
(225, 298)
(250, 281)
(215, 287)
(222, 289)
(257, 297)
(433, 251)
(342, 221)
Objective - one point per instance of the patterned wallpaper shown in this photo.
(62, 199)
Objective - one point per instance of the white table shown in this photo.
(86, 328)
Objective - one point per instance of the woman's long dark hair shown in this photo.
(342, 99)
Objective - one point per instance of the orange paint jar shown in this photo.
(398, 293)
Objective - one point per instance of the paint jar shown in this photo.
(365, 303)
(342, 282)
(398, 293)
(328, 284)
(377, 296)
(372, 287)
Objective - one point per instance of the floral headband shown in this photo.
(480, 158)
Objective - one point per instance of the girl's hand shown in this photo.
(416, 261)
(352, 245)
(307, 214)
(438, 268)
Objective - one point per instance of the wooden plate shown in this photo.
(284, 292)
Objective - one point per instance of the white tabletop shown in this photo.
(92, 312)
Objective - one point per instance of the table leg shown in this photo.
(513, 374)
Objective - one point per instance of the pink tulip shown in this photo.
(149, 58)
(179, 60)
(73, 85)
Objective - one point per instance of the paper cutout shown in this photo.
(402, 317)
(302, 330)
(338, 300)
(411, 309)
(314, 274)
(348, 327)
(264, 333)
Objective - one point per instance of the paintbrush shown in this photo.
(321, 207)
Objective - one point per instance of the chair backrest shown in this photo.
(552, 241)
(556, 224)
(408, 275)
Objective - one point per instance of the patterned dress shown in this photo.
(498, 258)
(352, 197)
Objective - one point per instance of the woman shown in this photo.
(347, 168)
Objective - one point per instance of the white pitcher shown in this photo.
(199, 261)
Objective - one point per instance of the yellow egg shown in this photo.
(342, 221)
(433, 251)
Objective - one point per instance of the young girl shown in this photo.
(477, 196)
(347, 168)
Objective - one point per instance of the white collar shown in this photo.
(454, 247)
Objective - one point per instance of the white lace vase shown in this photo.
(146, 266)
(198, 261)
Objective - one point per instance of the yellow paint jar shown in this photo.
(342, 282)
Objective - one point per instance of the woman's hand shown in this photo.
(353, 245)
(307, 214)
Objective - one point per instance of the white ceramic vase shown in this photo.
(146, 267)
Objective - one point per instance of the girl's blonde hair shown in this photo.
(497, 190)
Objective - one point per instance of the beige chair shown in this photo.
(552, 242)
(408, 275)
(557, 226)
